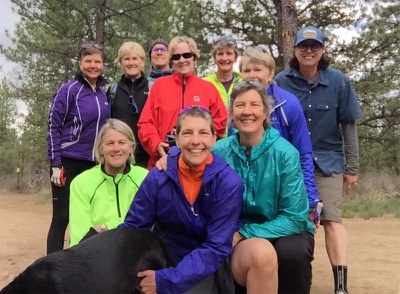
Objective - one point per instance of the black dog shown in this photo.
(105, 263)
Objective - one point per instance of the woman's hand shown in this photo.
(350, 182)
(161, 164)
(148, 283)
(100, 228)
(162, 148)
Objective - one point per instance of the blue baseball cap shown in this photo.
(309, 33)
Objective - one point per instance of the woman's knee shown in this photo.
(256, 255)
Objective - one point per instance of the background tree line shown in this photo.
(50, 32)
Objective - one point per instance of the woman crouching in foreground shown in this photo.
(195, 203)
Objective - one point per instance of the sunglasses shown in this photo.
(162, 49)
(186, 55)
(304, 47)
(89, 46)
(201, 108)
(132, 103)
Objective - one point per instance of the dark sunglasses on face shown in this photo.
(186, 55)
(313, 47)
(162, 49)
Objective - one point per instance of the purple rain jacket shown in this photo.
(75, 118)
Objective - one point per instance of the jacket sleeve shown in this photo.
(206, 259)
(57, 114)
(80, 220)
(218, 111)
(300, 138)
(148, 124)
(292, 202)
(142, 213)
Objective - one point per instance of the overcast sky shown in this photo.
(8, 19)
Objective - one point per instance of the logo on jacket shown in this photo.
(196, 98)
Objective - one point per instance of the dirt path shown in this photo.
(373, 247)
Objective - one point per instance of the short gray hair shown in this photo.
(246, 86)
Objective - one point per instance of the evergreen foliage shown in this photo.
(50, 33)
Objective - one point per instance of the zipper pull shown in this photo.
(192, 209)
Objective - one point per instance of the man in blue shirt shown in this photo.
(331, 110)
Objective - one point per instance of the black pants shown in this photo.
(60, 219)
(295, 254)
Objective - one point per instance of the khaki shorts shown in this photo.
(330, 191)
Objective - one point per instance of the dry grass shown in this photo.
(377, 195)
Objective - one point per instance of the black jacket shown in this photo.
(127, 106)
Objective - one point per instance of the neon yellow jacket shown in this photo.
(225, 96)
(97, 198)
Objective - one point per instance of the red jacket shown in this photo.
(166, 99)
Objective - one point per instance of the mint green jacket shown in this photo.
(97, 198)
(275, 202)
(225, 96)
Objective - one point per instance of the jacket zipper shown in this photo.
(117, 196)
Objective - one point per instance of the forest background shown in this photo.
(49, 34)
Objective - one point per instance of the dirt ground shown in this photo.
(374, 255)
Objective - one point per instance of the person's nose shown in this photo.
(195, 139)
(253, 75)
(115, 147)
(246, 110)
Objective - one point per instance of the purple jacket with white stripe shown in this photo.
(75, 118)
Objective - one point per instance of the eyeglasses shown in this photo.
(132, 103)
(186, 55)
(201, 108)
(162, 49)
(304, 47)
(90, 45)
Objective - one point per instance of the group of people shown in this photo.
(237, 201)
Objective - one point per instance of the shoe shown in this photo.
(341, 292)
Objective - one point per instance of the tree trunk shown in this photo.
(289, 28)
(100, 21)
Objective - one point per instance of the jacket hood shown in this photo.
(212, 169)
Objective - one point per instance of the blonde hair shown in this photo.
(184, 39)
(128, 48)
(257, 55)
(119, 126)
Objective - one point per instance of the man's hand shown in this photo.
(162, 148)
(350, 182)
(57, 176)
(148, 283)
